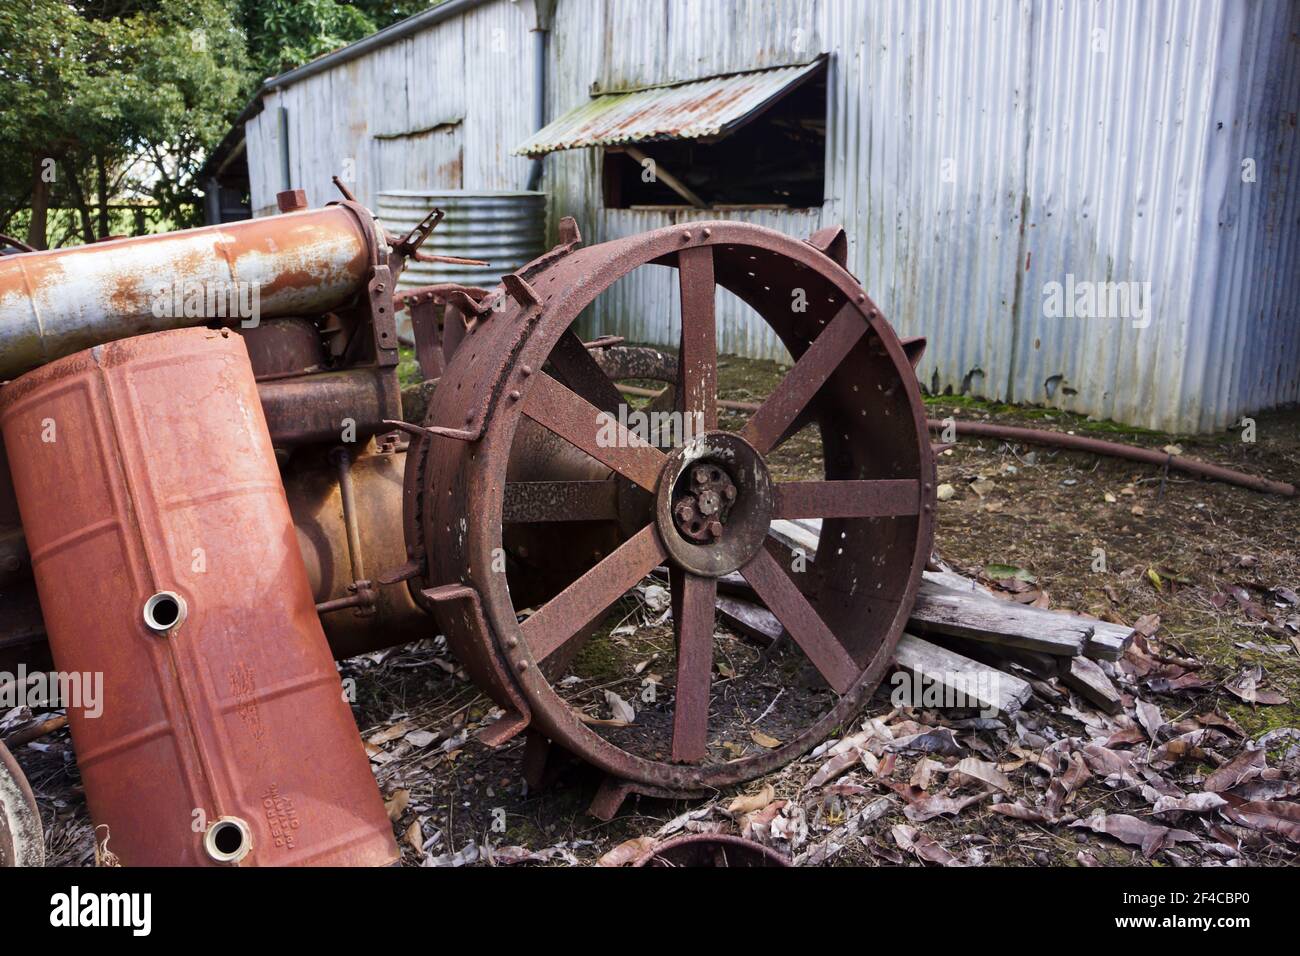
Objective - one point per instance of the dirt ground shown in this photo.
(1219, 565)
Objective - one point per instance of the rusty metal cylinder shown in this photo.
(321, 523)
(55, 303)
(167, 562)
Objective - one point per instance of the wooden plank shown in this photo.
(949, 603)
(940, 610)
(1040, 665)
(797, 536)
(1087, 679)
(1107, 641)
(984, 688)
(748, 618)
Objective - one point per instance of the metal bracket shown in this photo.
(451, 601)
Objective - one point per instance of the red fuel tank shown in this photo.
(167, 563)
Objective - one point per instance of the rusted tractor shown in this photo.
(520, 516)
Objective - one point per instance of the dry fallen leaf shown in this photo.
(397, 803)
(1245, 766)
(924, 771)
(749, 803)
(1149, 837)
(399, 729)
(619, 708)
(912, 840)
(1018, 811)
(1192, 803)
(414, 836)
(1272, 816)
(627, 851)
(764, 740)
(984, 772)
(833, 768)
(931, 806)
(1149, 717)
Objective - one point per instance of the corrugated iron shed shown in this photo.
(977, 151)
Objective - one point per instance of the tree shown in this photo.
(102, 96)
(105, 98)
(283, 34)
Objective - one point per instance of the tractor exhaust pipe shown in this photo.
(56, 303)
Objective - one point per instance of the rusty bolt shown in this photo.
(291, 200)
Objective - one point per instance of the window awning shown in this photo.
(701, 109)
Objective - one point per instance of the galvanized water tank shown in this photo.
(503, 227)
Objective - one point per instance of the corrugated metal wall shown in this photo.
(977, 150)
(438, 110)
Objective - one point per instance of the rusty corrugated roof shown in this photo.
(701, 108)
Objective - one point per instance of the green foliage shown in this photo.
(140, 90)
(283, 34)
(126, 97)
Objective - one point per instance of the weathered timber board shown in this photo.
(949, 603)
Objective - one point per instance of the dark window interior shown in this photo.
(776, 159)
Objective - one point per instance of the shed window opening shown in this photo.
(776, 160)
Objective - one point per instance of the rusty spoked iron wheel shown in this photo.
(711, 850)
(535, 514)
(22, 842)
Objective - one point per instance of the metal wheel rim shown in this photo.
(479, 492)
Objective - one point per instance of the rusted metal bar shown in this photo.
(1149, 456)
(343, 462)
(320, 408)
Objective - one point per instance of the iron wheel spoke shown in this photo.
(564, 616)
(693, 604)
(801, 620)
(883, 498)
(577, 368)
(697, 361)
(580, 423)
(801, 384)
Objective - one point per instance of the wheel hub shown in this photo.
(702, 505)
(714, 504)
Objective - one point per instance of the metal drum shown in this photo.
(506, 229)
